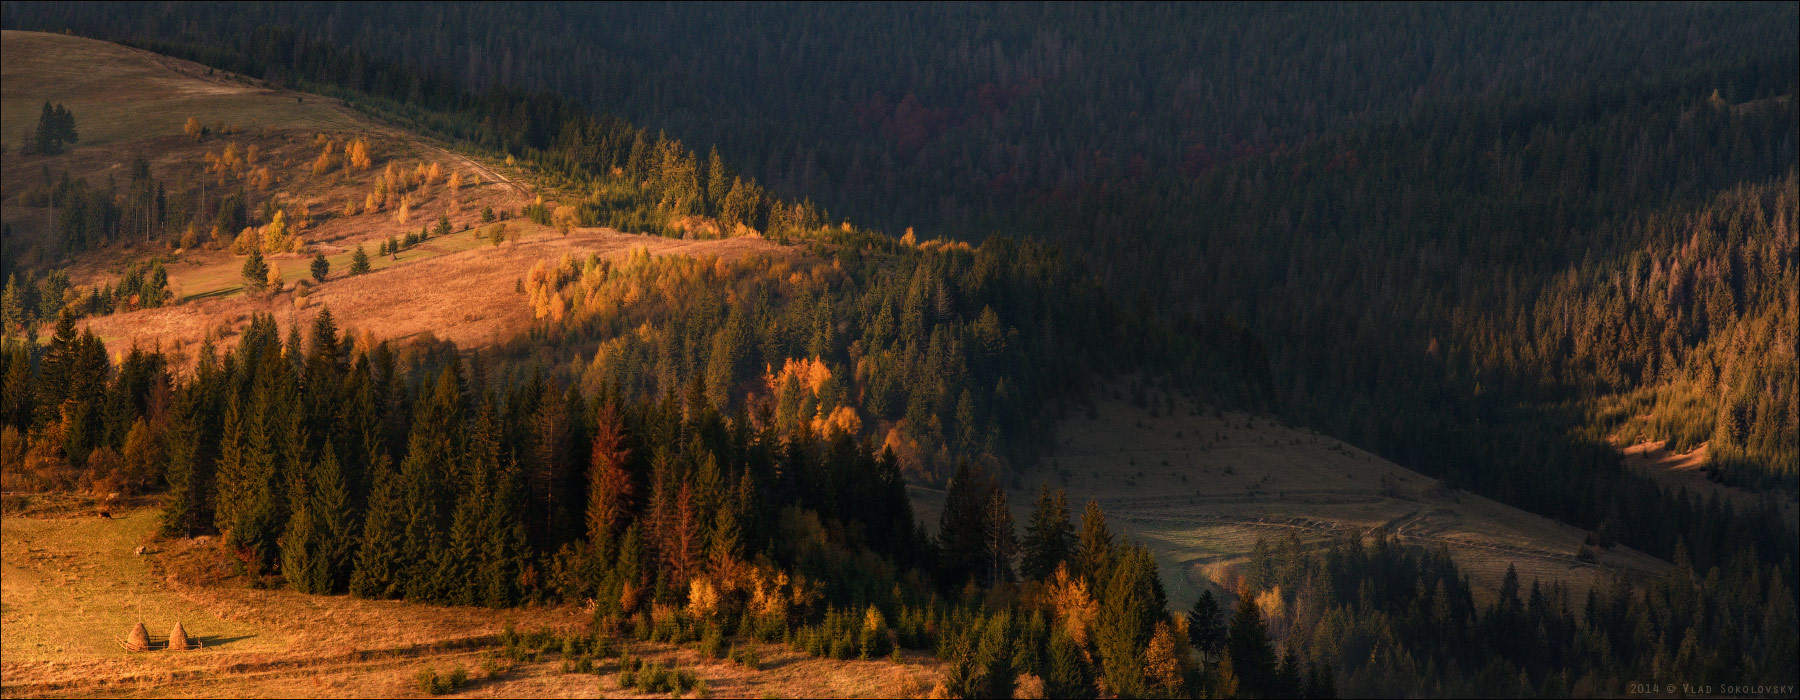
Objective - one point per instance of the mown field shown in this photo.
(1200, 487)
(73, 585)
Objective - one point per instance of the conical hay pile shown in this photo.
(178, 639)
(139, 639)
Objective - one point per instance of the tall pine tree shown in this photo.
(1050, 538)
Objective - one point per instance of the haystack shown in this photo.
(178, 639)
(139, 640)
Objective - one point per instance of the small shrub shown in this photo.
(628, 671)
(711, 642)
(580, 665)
(746, 657)
(654, 678)
(495, 668)
(430, 683)
(771, 628)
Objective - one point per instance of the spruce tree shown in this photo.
(56, 127)
(659, 514)
(465, 554)
(718, 181)
(17, 396)
(466, 557)
(1321, 684)
(963, 529)
(359, 261)
(1001, 543)
(1288, 677)
(336, 523)
(259, 512)
(508, 550)
(316, 551)
(300, 545)
(431, 458)
(1128, 617)
(320, 267)
(1030, 647)
(994, 656)
(57, 367)
(379, 567)
(725, 547)
(1206, 626)
(1095, 554)
(233, 473)
(1248, 650)
(421, 497)
(551, 474)
(1050, 538)
(1068, 675)
(189, 477)
(630, 567)
(255, 272)
(65, 126)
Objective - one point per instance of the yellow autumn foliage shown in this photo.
(810, 374)
(326, 160)
(357, 153)
(1162, 665)
(703, 597)
(843, 419)
(1074, 605)
(1270, 603)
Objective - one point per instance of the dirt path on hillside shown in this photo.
(485, 172)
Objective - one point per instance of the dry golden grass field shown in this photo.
(121, 94)
(129, 102)
(1199, 488)
(456, 288)
(73, 584)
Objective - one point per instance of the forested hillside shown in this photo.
(1493, 245)
(1448, 248)
(854, 106)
